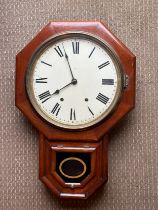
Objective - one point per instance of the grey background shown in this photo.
(133, 149)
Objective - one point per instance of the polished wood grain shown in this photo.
(95, 132)
(92, 140)
(48, 172)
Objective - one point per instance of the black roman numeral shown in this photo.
(75, 46)
(58, 50)
(72, 114)
(100, 97)
(107, 81)
(91, 52)
(56, 109)
(90, 111)
(41, 80)
(44, 96)
(103, 65)
(46, 63)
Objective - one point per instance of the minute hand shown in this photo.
(67, 58)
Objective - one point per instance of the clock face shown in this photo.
(74, 81)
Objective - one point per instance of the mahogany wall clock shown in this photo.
(74, 82)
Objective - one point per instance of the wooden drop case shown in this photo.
(74, 164)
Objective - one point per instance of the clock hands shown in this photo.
(74, 81)
(47, 95)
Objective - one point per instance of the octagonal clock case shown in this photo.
(74, 82)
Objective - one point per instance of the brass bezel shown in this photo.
(54, 39)
(73, 158)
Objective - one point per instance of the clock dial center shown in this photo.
(74, 81)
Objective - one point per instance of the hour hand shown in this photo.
(73, 82)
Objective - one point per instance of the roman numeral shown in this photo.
(44, 96)
(103, 65)
(56, 109)
(91, 52)
(107, 81)
(102, 98)
(75, 46)
(72, 114)
(46, 63)
(41, 80)
(90, 111)
(58, 50)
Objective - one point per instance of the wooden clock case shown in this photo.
(92, 141)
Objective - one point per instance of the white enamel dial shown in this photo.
(74, 82)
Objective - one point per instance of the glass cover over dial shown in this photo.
(74, 80)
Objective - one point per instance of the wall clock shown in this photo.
(74, 82)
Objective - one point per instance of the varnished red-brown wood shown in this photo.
(95, 132)
(93, 139)
(69, 147)
(82, 190)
